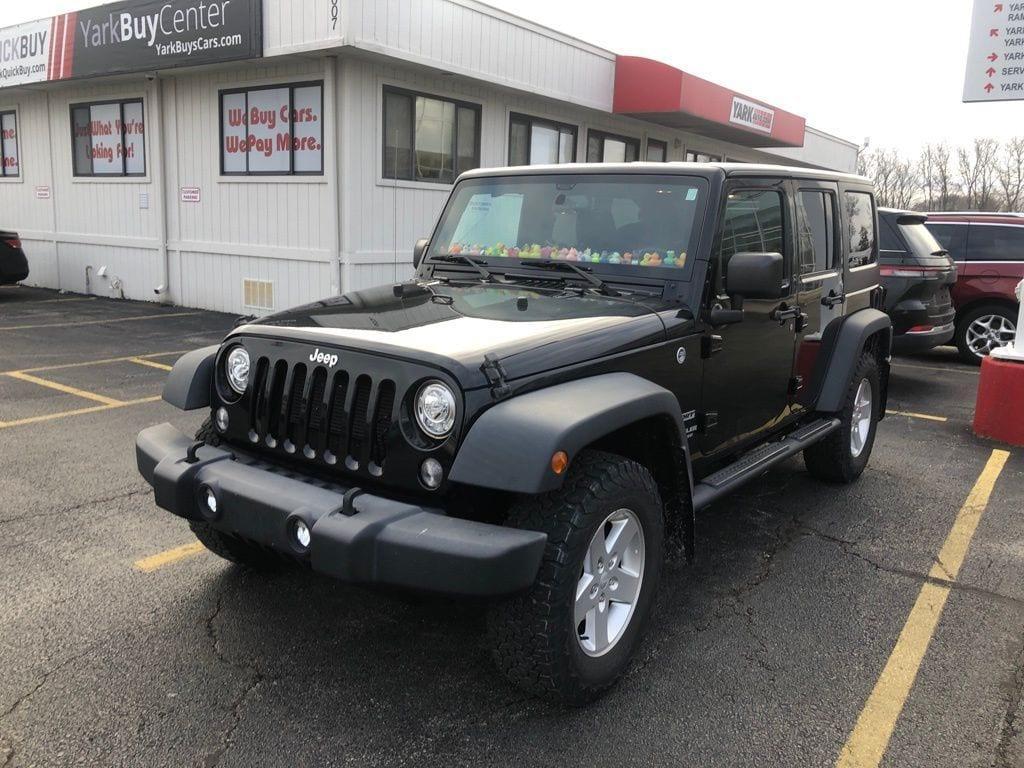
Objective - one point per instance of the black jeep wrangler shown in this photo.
(587, 356)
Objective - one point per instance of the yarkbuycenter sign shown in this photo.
(130, 37)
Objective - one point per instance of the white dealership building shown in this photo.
(249, 155)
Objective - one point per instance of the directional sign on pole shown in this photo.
(995, 60)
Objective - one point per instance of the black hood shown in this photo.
(453, 326)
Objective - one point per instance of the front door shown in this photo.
(749, 363)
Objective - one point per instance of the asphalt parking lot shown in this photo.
(820, 625)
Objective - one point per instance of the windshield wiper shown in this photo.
(461, 258)
(585, 272)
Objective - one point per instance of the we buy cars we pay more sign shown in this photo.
(995, 59)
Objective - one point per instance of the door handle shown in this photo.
(784, 312)
(832, 299)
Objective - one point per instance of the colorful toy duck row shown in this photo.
(537, 251)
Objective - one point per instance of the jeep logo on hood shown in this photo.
(323, 357)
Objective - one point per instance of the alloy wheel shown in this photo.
(989, 332)
(860, 423)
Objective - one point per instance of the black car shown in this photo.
(587, 356)
(13, 264)
(918, 274)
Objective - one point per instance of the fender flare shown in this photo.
(843, 341)
(509, 447)
(190, 382)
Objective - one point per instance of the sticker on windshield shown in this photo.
(691, 194)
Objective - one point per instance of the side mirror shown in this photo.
(755, 276)
(419, 251)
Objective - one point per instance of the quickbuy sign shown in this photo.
(131, 37)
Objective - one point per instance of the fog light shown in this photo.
(301, 534)
(431, 473)
(208, 503)
(211, 500)
(222, 419)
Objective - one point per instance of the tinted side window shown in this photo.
(815, 212)
(752, 223)
(860, 214)
(952, 237)
(995, 243)
(887, 238)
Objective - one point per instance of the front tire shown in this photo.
(842, 456)
(573, 634)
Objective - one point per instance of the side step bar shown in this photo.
(757, 461)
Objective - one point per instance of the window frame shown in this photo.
(3, 144)
(604, 136)
(530, 121)
(413, 94)
(291, 86)
(140, 100)
(787, 221)
(696, 153)
(659, 143)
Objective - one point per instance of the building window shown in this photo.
(860, 211)
(427, 138)
(534, 141)
(657, 151)
(609, 148)
(10, 165)
(275, 130)
(109, 138)
(702, 157)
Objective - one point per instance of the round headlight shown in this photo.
(435, 409)
(236, 369)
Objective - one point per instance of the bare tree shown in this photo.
(945, 186)
(978, 173)
(896, 179)
(1010, 172)
(926, 173)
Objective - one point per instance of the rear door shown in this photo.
(819, 272)
(749, 364)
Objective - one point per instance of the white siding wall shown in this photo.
(276, 228)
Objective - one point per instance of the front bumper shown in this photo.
(370, 540)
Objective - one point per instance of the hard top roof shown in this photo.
(751, 170)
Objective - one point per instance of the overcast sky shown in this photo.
(891, 70)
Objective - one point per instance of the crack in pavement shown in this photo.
(256, 679)
(81, 505)
(1011, 729)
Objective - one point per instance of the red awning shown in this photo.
(659, 93)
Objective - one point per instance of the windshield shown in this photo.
(618, 221)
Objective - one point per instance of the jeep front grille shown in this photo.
(310, 411)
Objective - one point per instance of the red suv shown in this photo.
(989, 252)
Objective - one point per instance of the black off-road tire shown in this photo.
(832, 459)
(224, 545)
(533, 635)
(963, 323)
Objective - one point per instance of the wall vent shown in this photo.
(257, 294)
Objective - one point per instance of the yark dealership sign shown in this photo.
(130, 37)
(751, 115)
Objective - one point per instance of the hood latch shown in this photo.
(496, 376)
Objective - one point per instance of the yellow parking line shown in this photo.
(913, 415)
(64, 388)
(97, 322)
(75, 412)
(87, 363)
(870, 737)
(150, 363)
(159, 560)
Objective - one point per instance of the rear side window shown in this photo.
(952, 238)
(986, 242)
(860, 211)
(887, 238)
(816, 217)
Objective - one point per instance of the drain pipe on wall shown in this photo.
(334, 193)
(156, 116)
